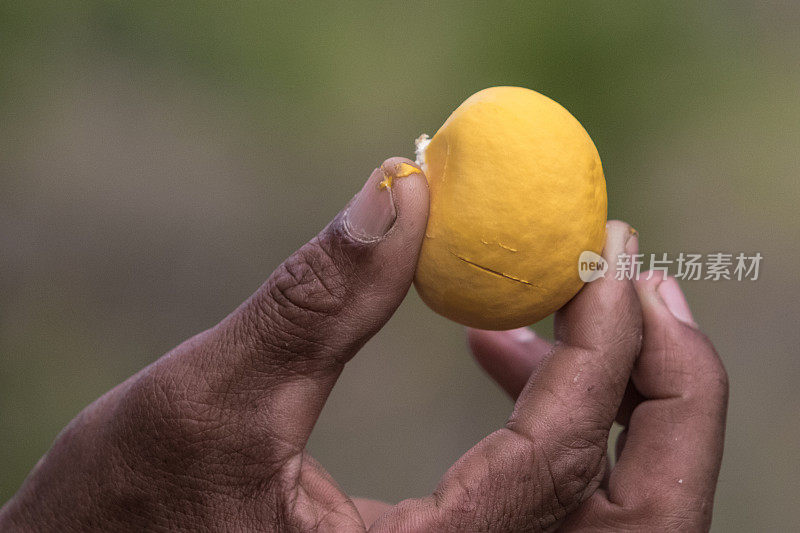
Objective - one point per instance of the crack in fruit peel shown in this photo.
(517, 193)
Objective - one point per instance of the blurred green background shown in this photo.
(158, 160)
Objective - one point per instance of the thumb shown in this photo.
(282, 350)
(329, 297)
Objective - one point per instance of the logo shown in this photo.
(591, 266)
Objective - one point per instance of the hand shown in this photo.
(668, 456)
(627, 352)
(212, 435)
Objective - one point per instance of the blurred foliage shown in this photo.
(158, 158)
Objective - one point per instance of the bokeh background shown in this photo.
(159, 159)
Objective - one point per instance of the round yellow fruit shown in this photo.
(517, 193)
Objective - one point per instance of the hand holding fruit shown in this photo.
(212, 435)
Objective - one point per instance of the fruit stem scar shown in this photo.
(495, 272)
(400, 170)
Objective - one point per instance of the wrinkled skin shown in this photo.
(211, 436)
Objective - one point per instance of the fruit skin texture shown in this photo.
(516, 194)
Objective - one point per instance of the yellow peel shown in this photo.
(516, 194)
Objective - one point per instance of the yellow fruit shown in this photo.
(516, 194)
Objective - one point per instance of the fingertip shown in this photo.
(671, 294)
(659, 291)
(510, 356)
(372, 212)
(521, 335)
(407, 186)
(484, 342)
(398, 165)
(620, 238)
(614, 224)
(473, 337)
(398, 173)
(607, 309)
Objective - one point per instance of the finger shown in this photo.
(278, 355)
(370, 510)
(551, 456)
(576, 393)
(598, 335)
(674, 442)
(509, 357)
(631, 398)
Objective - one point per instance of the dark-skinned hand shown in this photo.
(211, 436)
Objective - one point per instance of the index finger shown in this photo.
(576, 392)
(551, 454)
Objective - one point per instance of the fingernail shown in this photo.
(620, 239)
(632, 249)
(522, 335)
(672, 296)
(372, 213)
(632, 242)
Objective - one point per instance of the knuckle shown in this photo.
(577, 460)
(617, 326)
(301, 303)
(695, 362)
(311, 281)
(301, 319)
(567, 468)
(513, 481)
